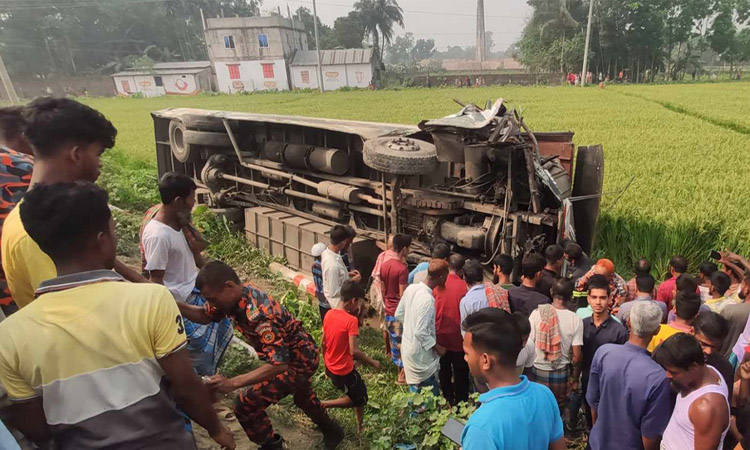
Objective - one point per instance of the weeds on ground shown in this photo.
(127, 225)
(227, 245)
(236, 361)
(409, 418)
(131, 184)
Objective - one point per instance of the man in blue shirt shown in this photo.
(439, 251)
(317, 272)
(628, 392)
(476, 297)
(515, 413)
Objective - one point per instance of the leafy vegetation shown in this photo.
(237, 361)
(394, 421)
(641, 38)
(379, 18)
(40, 38)
(127, 225)
(72, 37)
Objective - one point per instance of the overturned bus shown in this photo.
(479, 180)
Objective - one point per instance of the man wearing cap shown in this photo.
(618, 291)
(334, 265)
(317, 272)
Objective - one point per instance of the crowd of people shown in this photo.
(94, 354)
(574, 347)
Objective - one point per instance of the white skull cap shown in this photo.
(318, 249)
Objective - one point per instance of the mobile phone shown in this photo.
(452, 430)
(713, 254)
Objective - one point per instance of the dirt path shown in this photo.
(297, 437)
(297, 434)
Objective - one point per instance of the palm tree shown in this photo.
(379, 17)
(554, 15)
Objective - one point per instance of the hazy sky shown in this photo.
(449, 22)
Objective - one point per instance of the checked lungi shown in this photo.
(395, 330)
(206, 343)
(556, 380)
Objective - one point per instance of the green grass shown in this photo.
(684, 144)
(725, 104)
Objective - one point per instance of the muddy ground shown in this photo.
(297, 436)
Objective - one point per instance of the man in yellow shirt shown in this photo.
(68, 140)
(87, 363)
(720, 283)
(687, 305)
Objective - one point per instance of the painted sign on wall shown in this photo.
(181, 84)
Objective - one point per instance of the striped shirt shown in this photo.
(317, 273)
(89, 346)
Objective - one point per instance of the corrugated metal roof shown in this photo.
(331, 57)
(130, 73)
(170, 68)
(183, 65)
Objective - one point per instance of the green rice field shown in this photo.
(686, 146)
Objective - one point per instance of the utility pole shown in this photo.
(294, 27)
(481, 52)
(586, 48)
(7, 84)
(317, 46)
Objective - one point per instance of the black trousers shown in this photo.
(454, 377)
(323, 310)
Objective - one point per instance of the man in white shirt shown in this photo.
(172, 262)
(334, 268)
(527, 356)
(420, 351)
(552, 356)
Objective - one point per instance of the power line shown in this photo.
(410, 11)
(78, 5)
(75, 49)
(83, 4)
(457, 34)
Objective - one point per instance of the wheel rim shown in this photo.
(178, 140)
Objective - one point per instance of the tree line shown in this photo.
(642, 38)
(42, 37)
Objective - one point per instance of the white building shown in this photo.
(252, 53)
(239, 76)
(174, 78)
(354, 67)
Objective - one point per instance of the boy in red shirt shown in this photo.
(339, 347)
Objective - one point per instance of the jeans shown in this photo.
(578, 399)
(454, 377)
(431, 383)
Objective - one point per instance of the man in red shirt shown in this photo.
(665, 292)
(394, 277)
(454, 371)
(339, 347)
